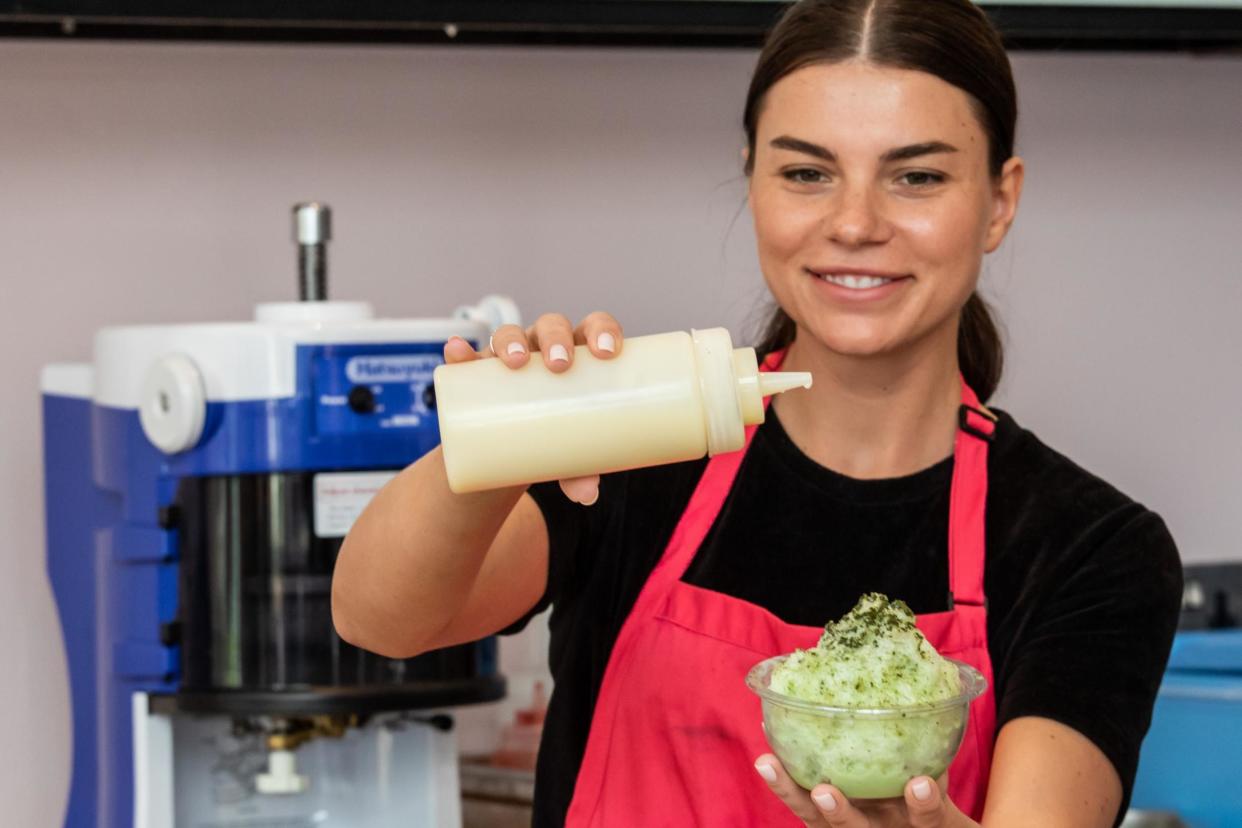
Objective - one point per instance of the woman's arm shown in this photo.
(1049, 775)
(1044, 775)
(423, 568)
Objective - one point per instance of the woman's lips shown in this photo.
(859, 285)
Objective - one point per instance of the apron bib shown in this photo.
(676, 731)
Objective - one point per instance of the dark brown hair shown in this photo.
(951, 39)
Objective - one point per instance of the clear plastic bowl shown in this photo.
(867, 753)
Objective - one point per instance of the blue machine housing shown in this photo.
(112, 552)
(1193, 751)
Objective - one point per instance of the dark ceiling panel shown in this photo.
(670, 23)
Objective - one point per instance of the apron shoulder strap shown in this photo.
(968, 499)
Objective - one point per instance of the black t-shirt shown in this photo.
(1083, 584)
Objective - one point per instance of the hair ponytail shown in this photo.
(980, 354)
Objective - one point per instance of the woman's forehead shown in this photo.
(861, 104)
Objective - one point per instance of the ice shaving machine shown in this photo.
(199, 481)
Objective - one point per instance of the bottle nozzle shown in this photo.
(777, 382)
(753, 385)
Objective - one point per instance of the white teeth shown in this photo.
(857, 282)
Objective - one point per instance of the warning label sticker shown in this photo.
(341, 496)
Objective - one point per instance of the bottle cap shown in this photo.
(723, 409)
(733, 388)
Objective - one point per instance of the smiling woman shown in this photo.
(873, 205)
(879, 154)
(946, 41)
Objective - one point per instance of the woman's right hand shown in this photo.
(553, 337)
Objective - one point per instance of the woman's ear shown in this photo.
(746, 171)
(1006, 194)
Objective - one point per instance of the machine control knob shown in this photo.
(362, 399)
(174, 404)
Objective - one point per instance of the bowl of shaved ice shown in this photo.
(869, 707)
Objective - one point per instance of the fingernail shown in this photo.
(766, 771)
(515, 348)
(557, 353)
(606, 342)
(825, 801)
(921, 790)
(594, 497)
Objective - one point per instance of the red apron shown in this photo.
(676, 731)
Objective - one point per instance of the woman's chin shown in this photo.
(859, 344)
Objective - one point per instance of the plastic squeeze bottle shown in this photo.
(663, 399)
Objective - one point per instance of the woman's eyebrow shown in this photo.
(798, 145)
(788, 142)
(916, 150)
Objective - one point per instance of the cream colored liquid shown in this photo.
(502, 427)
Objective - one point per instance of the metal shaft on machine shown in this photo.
(312, 230)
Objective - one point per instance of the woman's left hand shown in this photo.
(924, 806)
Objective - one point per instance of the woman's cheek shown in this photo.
(770, 235)
(947, 238)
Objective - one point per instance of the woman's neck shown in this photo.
(874, 417)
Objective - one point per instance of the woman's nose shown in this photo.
(853, 218)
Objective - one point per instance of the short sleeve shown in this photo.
(1092, 655)
(571, 528)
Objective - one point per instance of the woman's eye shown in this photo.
(805, 175)
(921, 178)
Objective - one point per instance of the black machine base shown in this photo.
(328, 700)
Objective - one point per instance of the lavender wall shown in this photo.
(152, 183)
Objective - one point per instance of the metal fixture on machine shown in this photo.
(312, 230)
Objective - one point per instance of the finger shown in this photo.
(795, 799)
(926, 806)
(509, 344)
(836, 810)
(458, 350)
(601, 333)
(584, 490)
(554, 336)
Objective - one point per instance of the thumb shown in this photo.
(584, 490)
(928, 807)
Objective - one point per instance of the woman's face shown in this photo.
(873, 204)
